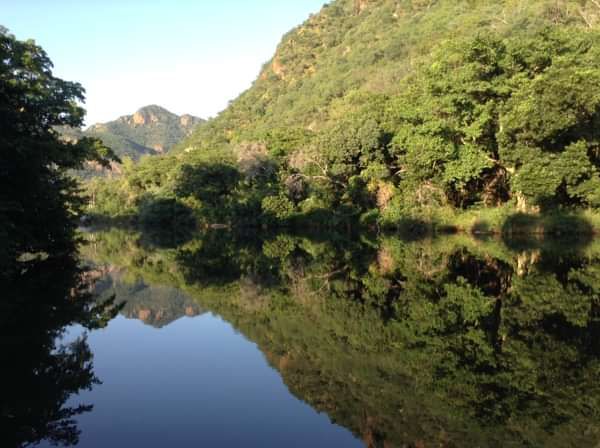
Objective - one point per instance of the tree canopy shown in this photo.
(38, 199)
(502, 112)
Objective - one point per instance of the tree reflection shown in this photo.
(42, 297)
(440, 342)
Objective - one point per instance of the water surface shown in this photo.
(304, 340)
(195, 380)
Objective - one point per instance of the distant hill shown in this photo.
(150, 130)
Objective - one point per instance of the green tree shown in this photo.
(38, 200)
(488, 118)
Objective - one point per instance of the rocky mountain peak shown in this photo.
(150, 130)
(149, 115)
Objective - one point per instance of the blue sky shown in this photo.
(188, 56)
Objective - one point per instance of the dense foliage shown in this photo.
(38, 200)
(44, 288)
(376, 110)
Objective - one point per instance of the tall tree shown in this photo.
(39, 201)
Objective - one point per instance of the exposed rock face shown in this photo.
(148, 116)
(188, 121)
(278, 68)
(152, 115)
(139, 119)
(360, 5)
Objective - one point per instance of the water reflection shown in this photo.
(446, 342)
(41, 297)
(155, 305)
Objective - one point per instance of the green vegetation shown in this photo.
(445, 342)
(44, 288)
(482, 115)
(39, 201)
(149, 131)
(375, 112)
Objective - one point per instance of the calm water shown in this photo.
(194, 382)
(289, 340)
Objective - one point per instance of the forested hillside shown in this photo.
(379, 110)
(150, 130)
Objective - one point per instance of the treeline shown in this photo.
(484, 122)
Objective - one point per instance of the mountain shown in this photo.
(151, 130)
(353, 49)
(378, 110)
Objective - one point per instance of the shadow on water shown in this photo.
(518, 230)
(164, 222)
(41, 298)
(558, 225)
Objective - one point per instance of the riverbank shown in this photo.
(505, 221)
(502, 221)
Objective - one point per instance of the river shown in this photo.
(317, 341)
